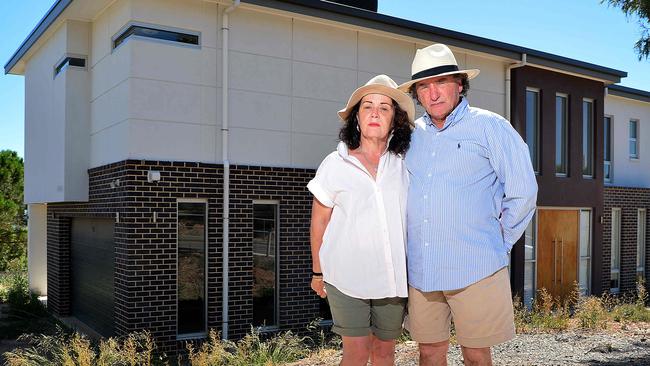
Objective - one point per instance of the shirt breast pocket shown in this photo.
(470, 150)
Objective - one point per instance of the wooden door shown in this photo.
(557, 251)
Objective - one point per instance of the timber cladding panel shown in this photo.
(629, 200)
(146, 247)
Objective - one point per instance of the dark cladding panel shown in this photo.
(93, 258)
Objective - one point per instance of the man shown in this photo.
(472, 193)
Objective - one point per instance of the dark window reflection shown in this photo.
(561, 133)
(69, 61)
(191, 268)
(264, 264)
(135, 30)
(587, 138)
(532, 127)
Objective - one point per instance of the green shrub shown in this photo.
(631, 313)
(591, 313)
(522, 315)
(249, 351)
(546, 314)
(281, 348)
(23, 304)
(318, 339)
(66, 349)
(212, 352)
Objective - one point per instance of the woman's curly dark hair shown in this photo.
(400, 142)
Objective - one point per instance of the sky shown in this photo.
(584, 30)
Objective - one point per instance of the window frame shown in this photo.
(536, 161)
(641, 237)
(276, 302)
(534, 229)
(633, 140)
(204, 334)
(157, 27)
(590, 153)
(64, 63)
(586, 291)
(616, 234)
(607, 147)
(565, 133)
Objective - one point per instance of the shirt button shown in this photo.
(433, 154)
(426, 244)
(429, 175)
(425, 196)
(425, 220)
(437, 133)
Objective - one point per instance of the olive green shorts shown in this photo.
(354, 317)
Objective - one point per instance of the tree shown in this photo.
(640, 8)
(13, 222)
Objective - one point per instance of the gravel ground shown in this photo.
(627, 345)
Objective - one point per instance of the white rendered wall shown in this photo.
(44, 126)
(56, 120)
(110, 93)
(37, 248)
(310, 73)
(155, 100)
(288, 76)
(77, 114)
(625, 171)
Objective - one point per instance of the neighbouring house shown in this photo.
(168, 144)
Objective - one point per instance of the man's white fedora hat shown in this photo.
(432, 61)
(380, 84)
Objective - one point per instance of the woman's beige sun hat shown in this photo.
(380, 84)
(432, 61)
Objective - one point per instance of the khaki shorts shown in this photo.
(354, 317)
(482, 313)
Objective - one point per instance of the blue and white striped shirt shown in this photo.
(472, 193)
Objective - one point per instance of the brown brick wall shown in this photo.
(629, 200)
(145, 261)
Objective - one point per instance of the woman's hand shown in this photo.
(318, 286)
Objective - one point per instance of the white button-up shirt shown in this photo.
(364, 246)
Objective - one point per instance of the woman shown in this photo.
(358, 223)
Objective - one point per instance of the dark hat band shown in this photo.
(434, 71)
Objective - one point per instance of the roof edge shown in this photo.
(631, 93)
(37, 32)
(394, 23)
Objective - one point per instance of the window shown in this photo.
(587, 138)
(640, 243)
(532, 126)
(191, 268)
(561, 135)
(607, 149)
(67, 62)
(614, 285)
(147, 31)
(634, 139)
(265, 254)
(530, 261)
(584, 270)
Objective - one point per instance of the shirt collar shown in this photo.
(453, 117)
(344, 152)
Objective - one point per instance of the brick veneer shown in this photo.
(629, 200)
(145, 251)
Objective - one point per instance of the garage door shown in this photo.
(93, 258)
